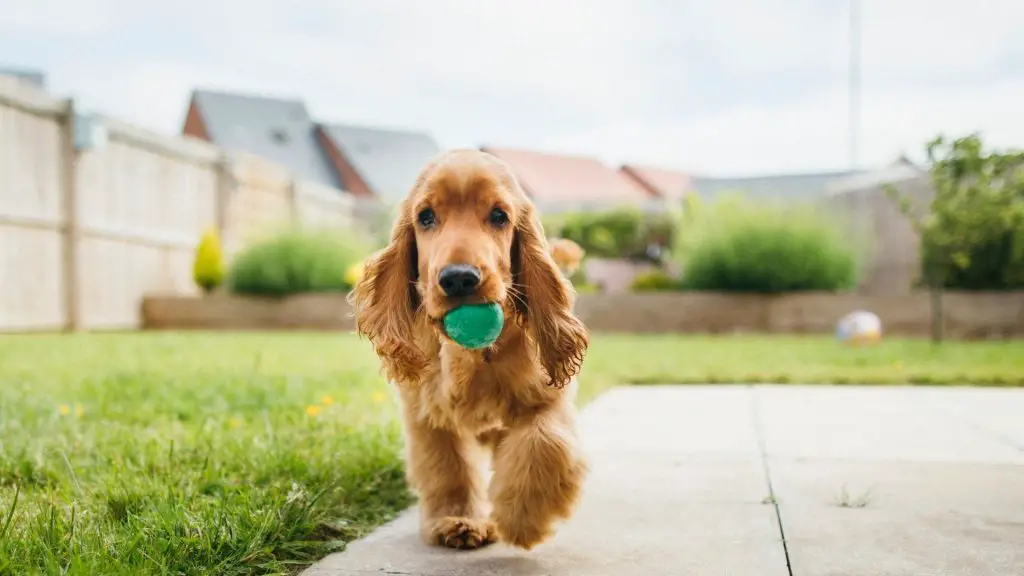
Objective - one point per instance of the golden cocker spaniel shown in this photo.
(467, 233)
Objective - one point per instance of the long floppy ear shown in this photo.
(546, 301)
(385, 301)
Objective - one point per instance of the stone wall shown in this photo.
(966, 315)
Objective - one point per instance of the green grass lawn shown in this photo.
(258, 453)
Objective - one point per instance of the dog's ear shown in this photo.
(385, 302)
(545, 301)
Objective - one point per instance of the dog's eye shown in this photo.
(427, 218)
(498, 217)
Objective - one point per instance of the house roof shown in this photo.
(279, 130)
(901, 170)
(387, 160)
(554, 178)
(775, 186)
(31, 76)
(659, 181)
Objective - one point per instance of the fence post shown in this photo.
(294, 212)
(225, 186)
(72, 226)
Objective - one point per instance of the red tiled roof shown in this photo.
(561, 178)
(659, 181)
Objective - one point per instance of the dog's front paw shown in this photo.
(461, 533)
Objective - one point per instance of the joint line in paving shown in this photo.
(763, 449)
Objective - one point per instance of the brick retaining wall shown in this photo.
(967, 315)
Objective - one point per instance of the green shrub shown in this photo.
(739, 246)
(619, 233)
(653, 281)
(297, 261)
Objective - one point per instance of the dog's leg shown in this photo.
(538, 475)
(445, 471)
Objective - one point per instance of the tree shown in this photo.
(972, 235)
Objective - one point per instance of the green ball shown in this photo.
(474, 326)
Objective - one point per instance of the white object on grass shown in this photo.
(859, 327)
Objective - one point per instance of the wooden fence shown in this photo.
(85, 235)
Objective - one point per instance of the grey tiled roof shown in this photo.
(781, 186)
(387, 160)
(35, 77)
(277, 129)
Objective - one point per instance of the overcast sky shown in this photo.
(721, 87)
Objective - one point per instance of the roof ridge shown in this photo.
(391, 129)
(536, 152)
(642, 166)
(281, 99)
(761, 176)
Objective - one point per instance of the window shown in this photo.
(279, 136)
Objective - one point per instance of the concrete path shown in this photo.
(769, 481)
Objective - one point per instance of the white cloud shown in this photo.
(917, 37)
(60, 18)
(611, 78)
(811, 134)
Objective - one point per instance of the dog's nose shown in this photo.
(459, 280)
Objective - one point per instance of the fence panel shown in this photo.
(319, 206)
(260, 201)
(31, 209)
(143, 204)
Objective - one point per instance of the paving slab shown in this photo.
(994, 411)
(867, 481)
(677, 487)
(857, 518)
(895, 481)
(875, 423)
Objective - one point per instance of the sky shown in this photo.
(722, 87)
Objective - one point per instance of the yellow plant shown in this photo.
(208, 267)
(354, 274)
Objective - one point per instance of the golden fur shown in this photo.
(511, 401)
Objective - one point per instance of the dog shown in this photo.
(467, 233)
(568, 255)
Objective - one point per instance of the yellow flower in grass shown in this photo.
(327, 400)
(313, 410)
(234, 422)
(379, 397)
(66, 409)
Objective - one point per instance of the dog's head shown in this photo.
(467, 233)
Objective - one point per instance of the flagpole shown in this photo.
(853, 86)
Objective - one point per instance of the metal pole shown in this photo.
(854, 83)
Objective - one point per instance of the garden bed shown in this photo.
(968, 315)
(320, 311)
